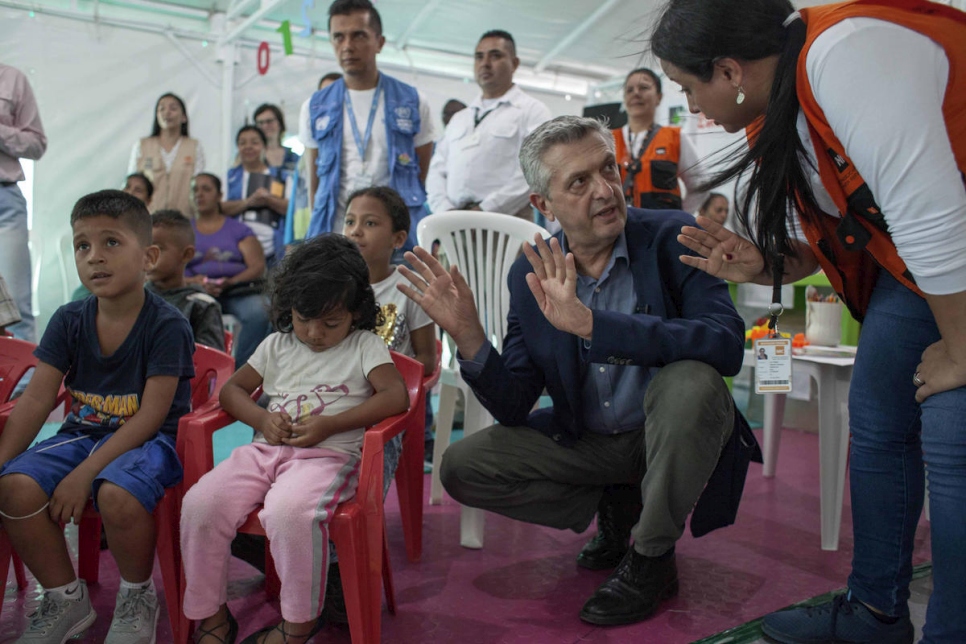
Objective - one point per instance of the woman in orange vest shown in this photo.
(169, 157)
(652, 157)
(859, 113)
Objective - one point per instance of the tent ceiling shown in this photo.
(557, 40)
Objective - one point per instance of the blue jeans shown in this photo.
(15, 259)
(892, 438)
(252, 313)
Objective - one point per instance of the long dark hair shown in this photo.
(692, 35)
(320, 276)
(156, 127)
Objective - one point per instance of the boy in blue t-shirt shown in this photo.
(125, 357)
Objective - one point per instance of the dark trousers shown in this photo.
(523, 474)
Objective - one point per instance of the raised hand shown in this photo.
(553, 283)
(446, 298)
(723, 253)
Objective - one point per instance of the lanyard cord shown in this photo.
(362, 141)
(775, 309)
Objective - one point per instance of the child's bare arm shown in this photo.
(30, 412)
(236, 399)
(390, 398)
(424, 346)
(71, 494)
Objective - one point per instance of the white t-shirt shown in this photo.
(478, 158)
(401, 314)
(375, 165)
(881, 87)
(304, 383)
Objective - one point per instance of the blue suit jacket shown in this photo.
(682, 313)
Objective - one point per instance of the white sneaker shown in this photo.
(57, 620)
(135, 618)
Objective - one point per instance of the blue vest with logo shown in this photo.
(402, 124)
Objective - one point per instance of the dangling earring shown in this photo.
(741, 96)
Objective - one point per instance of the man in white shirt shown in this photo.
(476, 164)
(350, 137)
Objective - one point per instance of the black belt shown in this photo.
(7, 184)
(263, 216)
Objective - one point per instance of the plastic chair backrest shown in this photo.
(213, 368)
(16, 358)
(483, 245)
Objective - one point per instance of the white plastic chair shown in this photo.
(483, 245)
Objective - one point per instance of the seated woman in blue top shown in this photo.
(263, 207)
(229, 263)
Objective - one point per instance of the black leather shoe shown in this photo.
(618, 511)
(634, 591)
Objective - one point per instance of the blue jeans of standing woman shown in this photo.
(252, 313)
(892, 438)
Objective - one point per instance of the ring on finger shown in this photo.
(917, 381)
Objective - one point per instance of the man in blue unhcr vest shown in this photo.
(380, 132)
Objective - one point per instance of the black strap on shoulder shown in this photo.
(634, 166)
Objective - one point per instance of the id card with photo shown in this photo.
(773, 365)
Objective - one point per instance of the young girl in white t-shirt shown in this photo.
(327, 377)
(377, 220)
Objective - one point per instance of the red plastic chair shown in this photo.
(229, 342)
(16, 358)
(358, 525)
(212, 370)
(409, 475)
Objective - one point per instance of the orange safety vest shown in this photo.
(839, 243)
(656, 184)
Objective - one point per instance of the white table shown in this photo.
(831, 375)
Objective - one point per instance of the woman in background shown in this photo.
(715, 208)
(270, 120)
(652, 157)
(262, 209)
(169, 157)
(230, 265)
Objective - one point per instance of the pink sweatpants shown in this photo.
(300, 487)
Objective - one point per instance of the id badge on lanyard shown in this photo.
(773, 353)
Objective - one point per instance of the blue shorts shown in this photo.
(144, 471)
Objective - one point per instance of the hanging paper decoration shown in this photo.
(286, 30)
(263, 58)
(307, 30)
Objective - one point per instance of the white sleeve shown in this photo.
(373, 352)
(427, 126)
(693, 173)
(305, 126)
(436, 179)
(132, 164)
(199, 157)
(881, 87)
